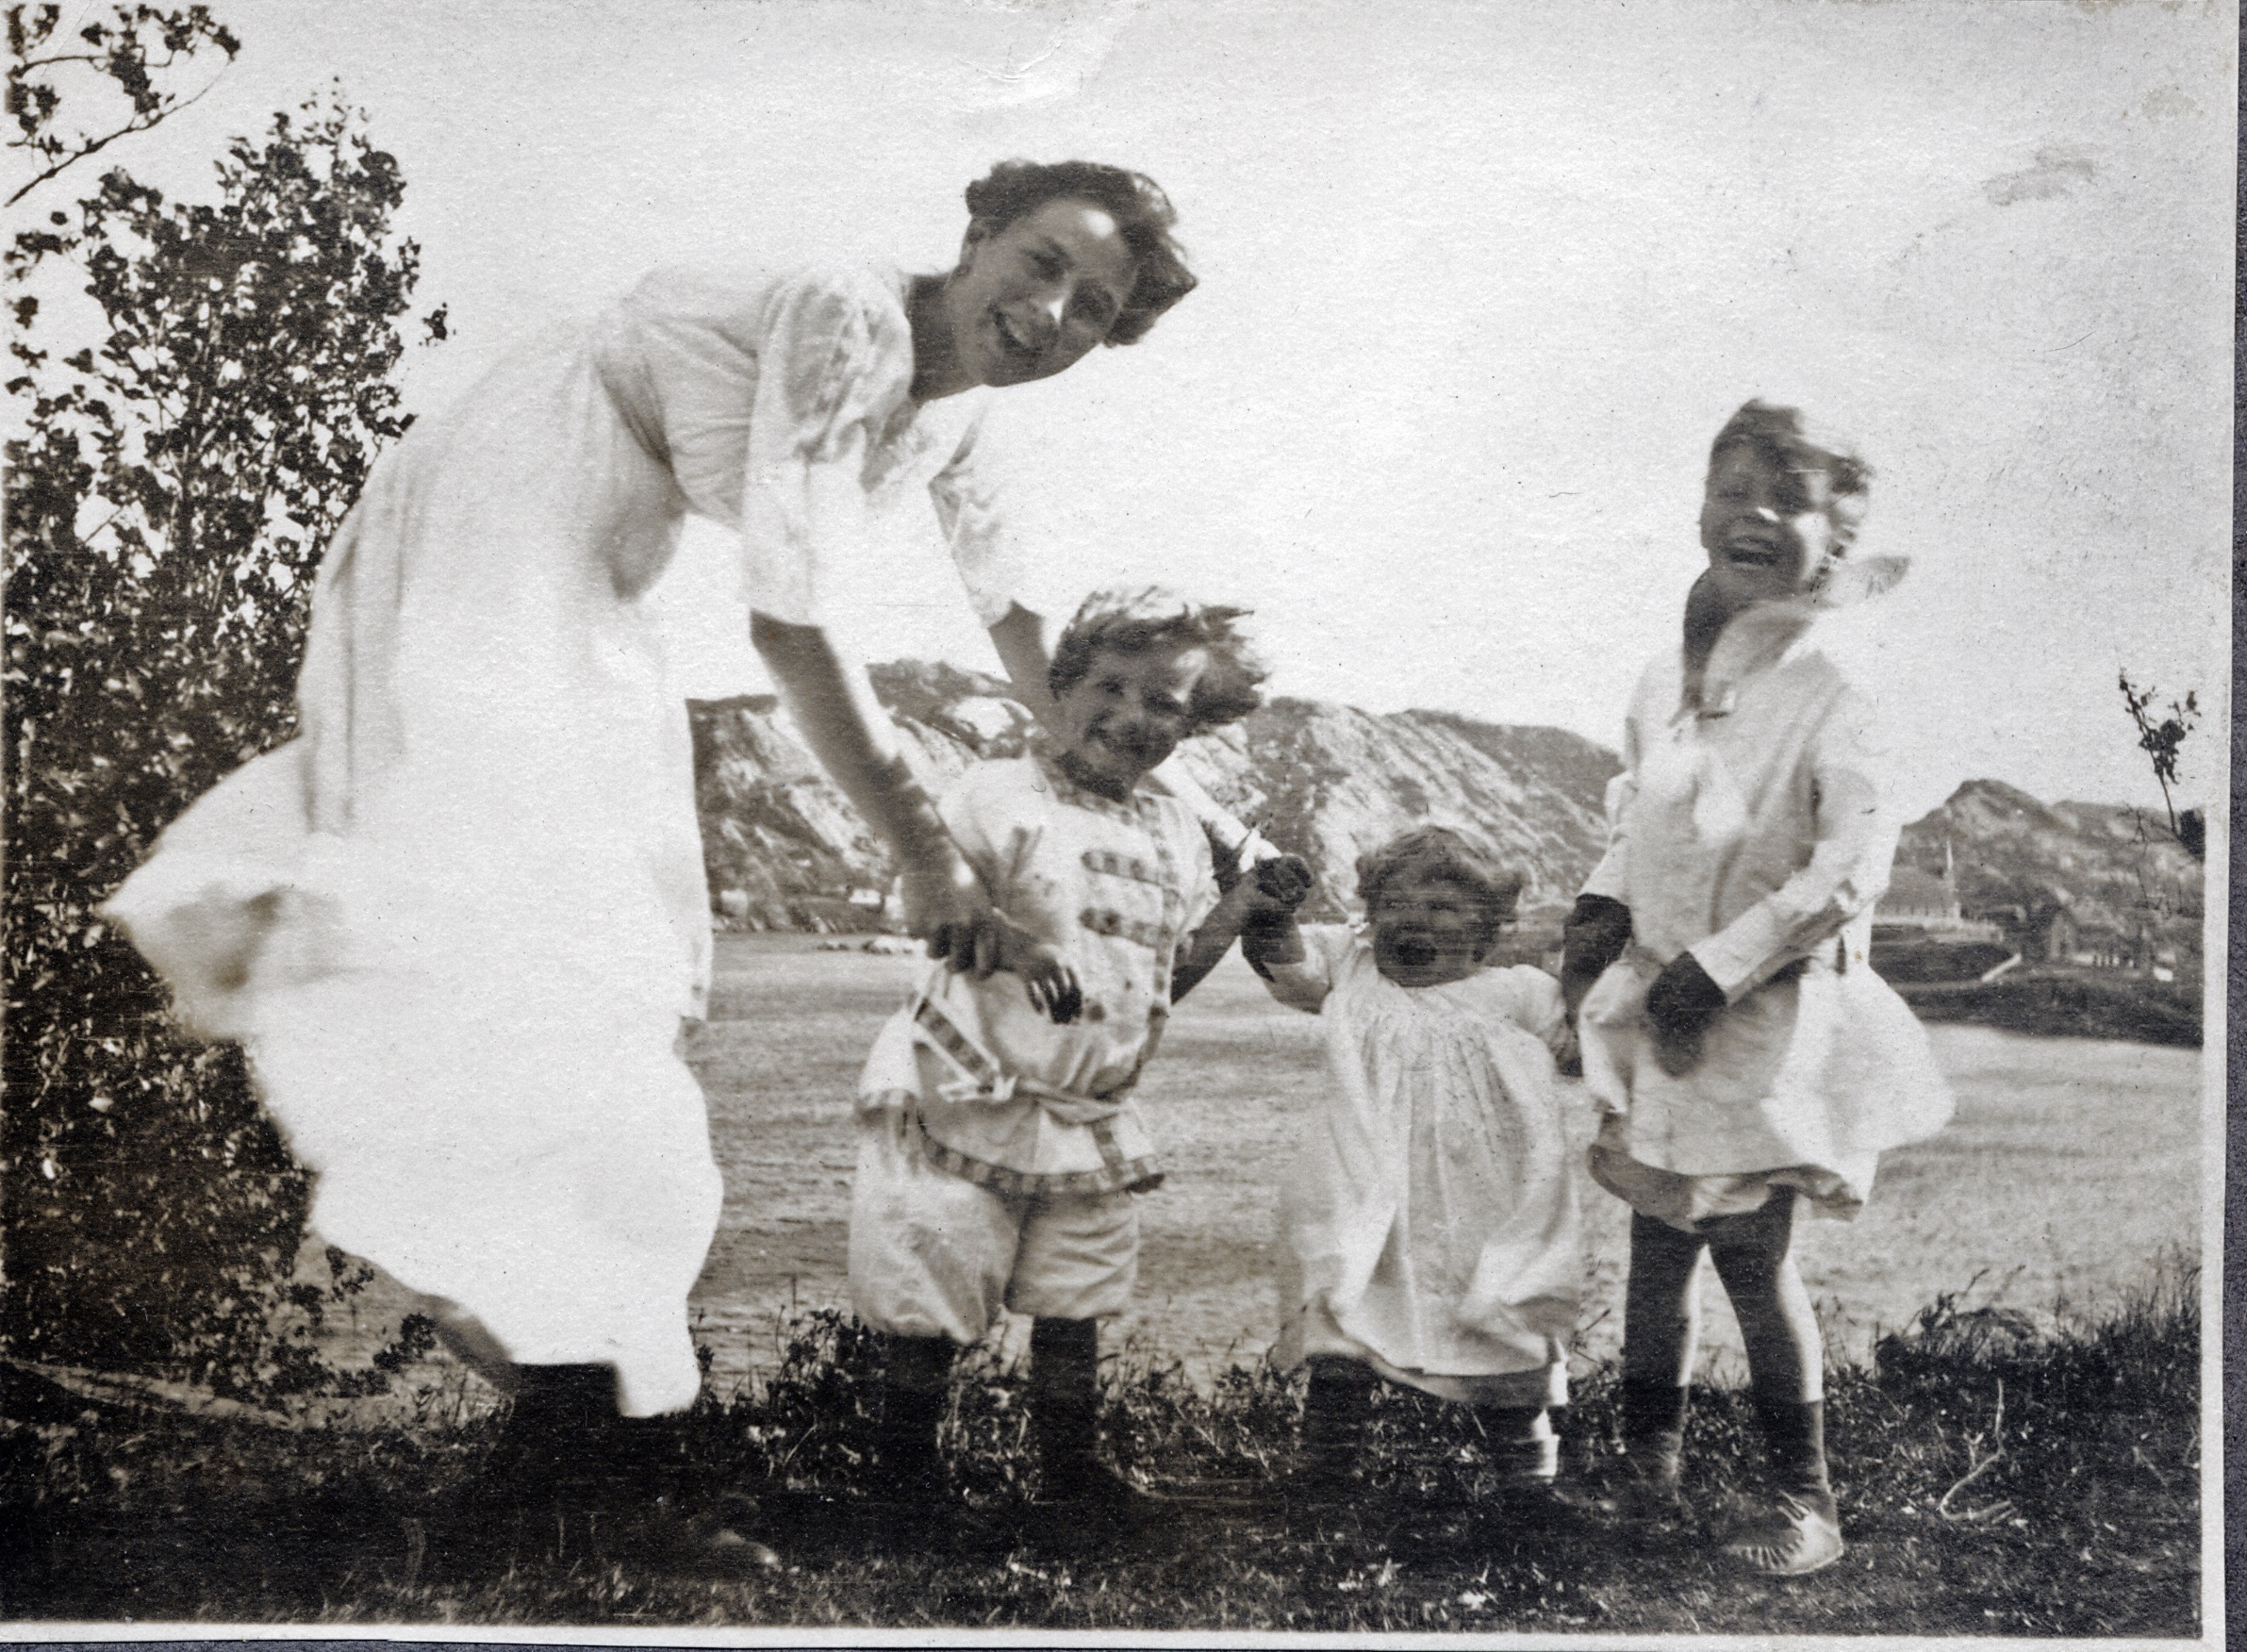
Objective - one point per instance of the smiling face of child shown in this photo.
(1428, 929)
(1128, 712)
(1765, 527)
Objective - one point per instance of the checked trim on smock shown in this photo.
(1116, 1174)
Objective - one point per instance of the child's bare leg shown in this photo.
(1755, 1258)
(1661, 1330)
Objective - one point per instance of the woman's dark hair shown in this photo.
(1139, 621)
(1142, 212)
(1437, 851)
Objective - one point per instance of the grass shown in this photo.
(2000, 1474)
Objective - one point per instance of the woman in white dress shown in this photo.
(456, 921)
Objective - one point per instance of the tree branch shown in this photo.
(131, 126)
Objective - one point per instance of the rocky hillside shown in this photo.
(785, 850)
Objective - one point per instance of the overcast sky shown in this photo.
(1480, 282)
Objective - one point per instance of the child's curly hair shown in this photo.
(1437, 851)
(1136, 621)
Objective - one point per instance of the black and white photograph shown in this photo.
(1050, 821)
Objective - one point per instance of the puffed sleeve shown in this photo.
(1535, 1005)
(1849, 865)
(983, 547)
(832, 357)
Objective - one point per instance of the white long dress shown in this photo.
(456, 921)
(1752, 827)
(1429, 1220)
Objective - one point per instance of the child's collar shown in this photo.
(1764, 632)
(1069, 791)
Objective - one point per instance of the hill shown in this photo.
(2067, 881)
(2076, 886)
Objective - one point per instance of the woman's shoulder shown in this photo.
(839, 298)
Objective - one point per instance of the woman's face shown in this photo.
(1031, 299)
(1427, 930)
(1764, 528)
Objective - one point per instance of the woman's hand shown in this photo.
(947, 908)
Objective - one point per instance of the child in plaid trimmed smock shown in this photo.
(1000, 1147)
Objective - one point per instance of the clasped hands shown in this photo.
(953, 914)
(974, 937)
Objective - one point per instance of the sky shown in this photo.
(1479, 283)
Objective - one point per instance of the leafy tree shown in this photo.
(169, 496)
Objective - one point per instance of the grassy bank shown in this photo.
(1999, 1475)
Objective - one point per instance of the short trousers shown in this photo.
(933, 1254)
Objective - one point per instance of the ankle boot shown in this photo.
(1654, 1444)
(553, 1437)
(1800, 1529)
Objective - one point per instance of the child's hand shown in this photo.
(1281, 885)
(1682, 1003)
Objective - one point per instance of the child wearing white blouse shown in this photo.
(1430, 1225)
(1748, 1063)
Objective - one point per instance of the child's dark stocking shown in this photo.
(1755, 1258)
(1065, 1419)
(910, 1468)
(1521, 1443)
(1065, 1404)
(1660, 1326)
(1334, 1412)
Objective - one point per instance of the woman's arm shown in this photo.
(1020, 639)
(833, 701)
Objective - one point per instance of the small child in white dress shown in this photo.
(1430, 1224)
(999, 1146)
